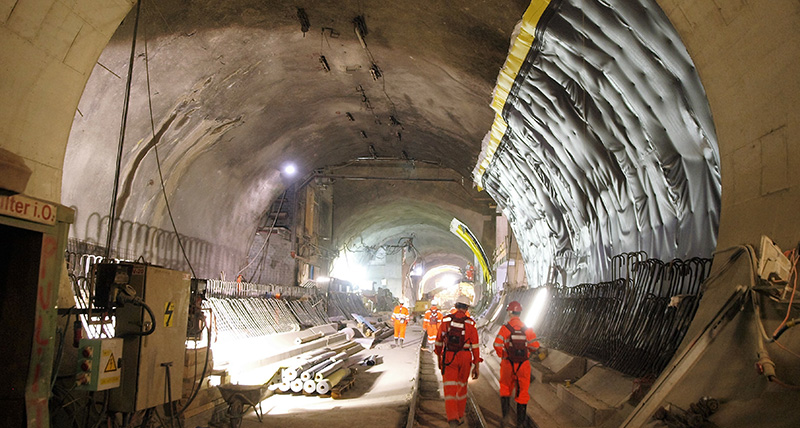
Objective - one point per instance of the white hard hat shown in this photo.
(434, 302)
(464, 300)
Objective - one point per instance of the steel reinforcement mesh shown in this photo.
(344, 305)
(632, 324)
(249, 317)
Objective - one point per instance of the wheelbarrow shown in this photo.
(242, 398)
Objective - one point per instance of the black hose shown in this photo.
(60, 351)
(139, 302)
(123, 126)
(203, 375)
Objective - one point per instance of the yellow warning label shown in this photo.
(111, 365)
(168, 309)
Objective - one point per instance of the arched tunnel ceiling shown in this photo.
(379, 212)
(610, 146)
(238, 90)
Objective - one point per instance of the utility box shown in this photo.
(149, 362)
(99, 364)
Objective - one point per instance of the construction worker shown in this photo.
(400, 318)
(454, 310)
(430, 323)
(458, 352)
(514, 344)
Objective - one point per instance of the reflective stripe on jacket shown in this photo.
(503, 337)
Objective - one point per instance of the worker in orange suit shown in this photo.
(458, 352)
(400, 318)
(514, 344)
(431, 322)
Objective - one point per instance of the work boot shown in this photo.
(401, 342)
(453, 423)
(395, 341)
(505, 406)
(522, 415)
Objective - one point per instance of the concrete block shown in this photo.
(775, 162)
(84, 50)
(558, 367)
(597, 395)
(608, 386)
(104, 15)
(584, 404)
(59, 28)
(747, 173)
(27, 16)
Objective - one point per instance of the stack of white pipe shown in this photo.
(325, 385)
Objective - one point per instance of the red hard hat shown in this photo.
(514, 307)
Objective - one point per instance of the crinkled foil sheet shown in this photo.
(610, 145)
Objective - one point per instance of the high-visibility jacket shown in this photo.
(432, 319)
(400, 318)
(515, 375)
(457, 365)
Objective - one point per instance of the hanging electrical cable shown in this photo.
(269, 235)
(158, 160)
(123, 125)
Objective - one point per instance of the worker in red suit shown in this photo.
(431, 322)
(514, 344)
(454, 310)
(458, 353)
(400, 318)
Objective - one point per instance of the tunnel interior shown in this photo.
(271, 149)
(602, 141)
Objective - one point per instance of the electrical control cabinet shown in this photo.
(149, 362)
(99, 364)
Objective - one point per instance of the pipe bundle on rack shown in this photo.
(326, 367)
(309, 374)
(327, 371)
(325, 385)
(292, 373)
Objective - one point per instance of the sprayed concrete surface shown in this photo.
(380, 396)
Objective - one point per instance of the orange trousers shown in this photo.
(433, 331)
(455, 378)
(519, 379)
(399, 330)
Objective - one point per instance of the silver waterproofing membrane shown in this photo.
(610, 145)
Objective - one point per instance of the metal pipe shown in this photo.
(297, 385)
(309, 387)
(327, 371)
(325, 385)
(309, 374)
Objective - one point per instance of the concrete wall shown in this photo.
(748, 57)
(48, 51)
